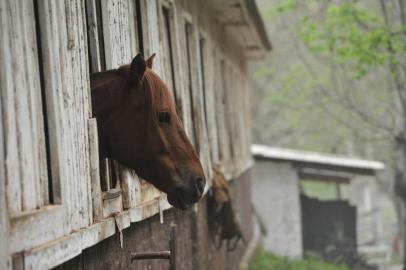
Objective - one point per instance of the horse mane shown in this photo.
(154, 90)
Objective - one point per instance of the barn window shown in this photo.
(202, 44)
(167, 20)
(189, 54)
(227, 96)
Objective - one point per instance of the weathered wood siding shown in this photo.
(52, 205)
(195, 247)
(62, 60)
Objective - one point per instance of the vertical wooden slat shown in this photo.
(65, 138)
(116, 30)
(9, 116)
(132, 27)
(76, 112)
(185, 80)
(24, 125)
(204, 138)
(166, 47)
(23, 113)
(153, 34)
(224, 139)
(176, 68)
(37, 117)
(93, 36)
(5, 259)
(210, 100)
(96, 194)
(131, 187)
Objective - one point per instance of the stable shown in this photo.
(61, 207)
(292, 220)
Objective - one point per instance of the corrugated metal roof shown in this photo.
(283, 154)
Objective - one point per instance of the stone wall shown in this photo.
(276, 200)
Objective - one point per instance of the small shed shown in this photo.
(293, 222)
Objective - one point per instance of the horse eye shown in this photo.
(164, 117)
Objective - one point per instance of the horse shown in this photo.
(138, 126)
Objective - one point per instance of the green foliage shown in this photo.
(262, 71)
(268, 261)
(280, 8)
(319, 190)
(353, 35)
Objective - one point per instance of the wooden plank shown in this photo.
(209, 82)
(56, 252)
(75, 110)
(32, 229)
(96, 193)
(144, 27)
(9, 117)
(117, 32)
(148, 192)
(184, 77)
(130, 184)
(179, 86)
(153, 34)
(165, 30)
(5, 259)
(24, 126)
(39, 159)
(204, 138)
(201, 14)
(133, 37)
(112, 206)
(23, 113)
(52, 80)
(224, 139)
(93, 36)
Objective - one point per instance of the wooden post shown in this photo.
(97, 204)
(172, 246)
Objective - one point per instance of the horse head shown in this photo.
(138, 126)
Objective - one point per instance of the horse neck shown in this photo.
(106, 100)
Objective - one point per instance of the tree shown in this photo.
(351, 67)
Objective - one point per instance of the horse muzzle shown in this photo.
(184, 195)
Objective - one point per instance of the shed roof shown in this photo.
(242, 18)
(305, 159)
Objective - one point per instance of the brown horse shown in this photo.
(138, 126)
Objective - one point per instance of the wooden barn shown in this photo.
(60, 207)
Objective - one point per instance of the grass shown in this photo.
(268, 261)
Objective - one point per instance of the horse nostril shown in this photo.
(200, 185)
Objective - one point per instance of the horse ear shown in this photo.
(137, 69)
(150, 61)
